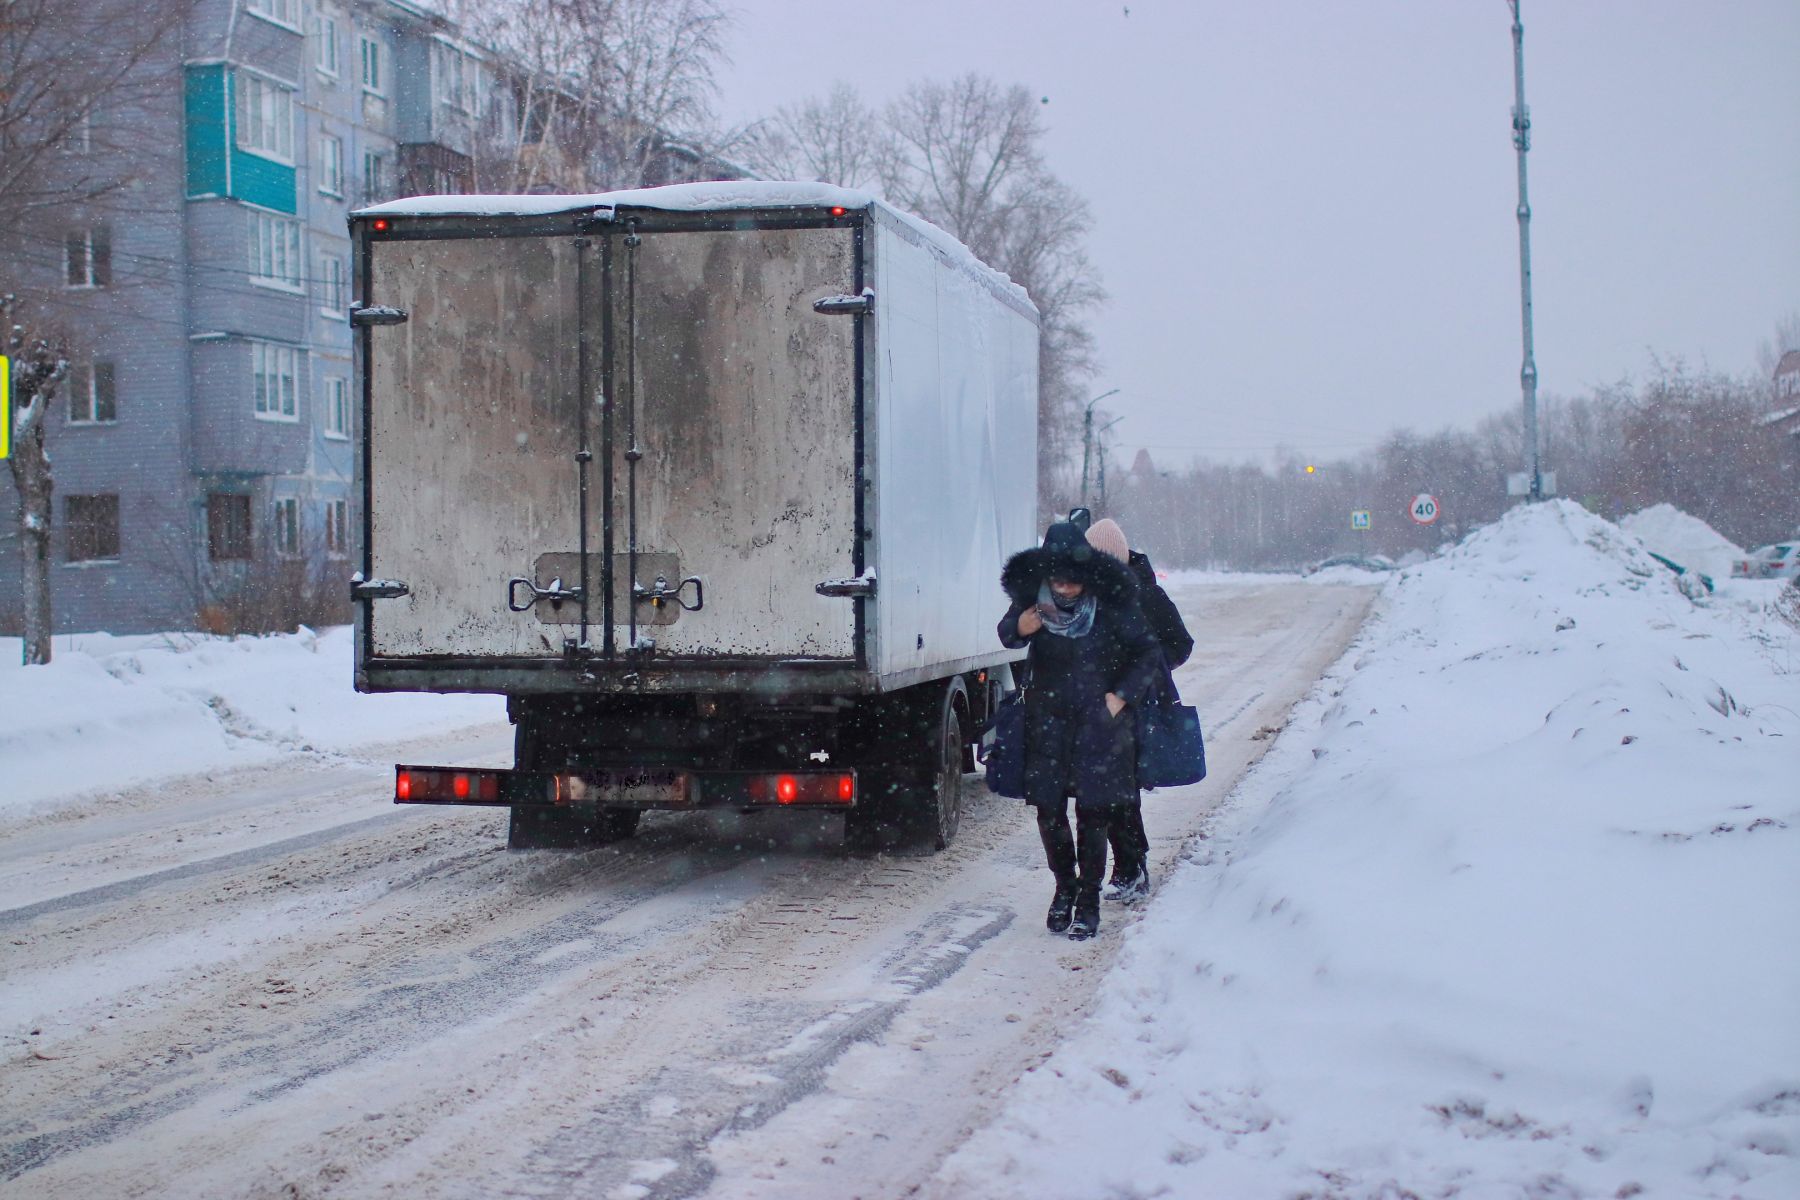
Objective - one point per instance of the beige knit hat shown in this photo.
(1105, 536)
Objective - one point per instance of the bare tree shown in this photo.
(606, 91)
(836, 138)
(72, 76)
(38, 368)
(66, 72)
(968, 156)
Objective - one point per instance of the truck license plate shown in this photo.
(629, 786)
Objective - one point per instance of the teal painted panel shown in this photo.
(208, 134)
(257, 180)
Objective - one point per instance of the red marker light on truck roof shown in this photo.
(838, 210)
(403, 786)
(786, 789)
(381, 224)
(460, 786)
(846, 788)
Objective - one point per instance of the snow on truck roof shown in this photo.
(700, 197)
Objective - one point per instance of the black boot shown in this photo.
(1087, 913)
(1062, 907)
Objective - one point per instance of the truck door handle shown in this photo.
(660, 592)
(862, 585)
(556, 593)
(852, 305)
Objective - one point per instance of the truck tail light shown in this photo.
(807, 789)
(418, 785)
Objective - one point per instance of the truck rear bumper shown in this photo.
(624, 787)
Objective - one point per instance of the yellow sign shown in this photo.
(5, 406)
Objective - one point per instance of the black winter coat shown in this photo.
(1071, 742)
(1165, 620)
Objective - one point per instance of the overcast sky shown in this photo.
(1305, 210)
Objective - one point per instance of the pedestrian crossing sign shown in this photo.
(1359, 519)
(5, 406)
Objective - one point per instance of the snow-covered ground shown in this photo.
(108, 712)
(1685, 539)
(1510, 910)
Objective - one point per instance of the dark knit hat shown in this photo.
(1065, 554)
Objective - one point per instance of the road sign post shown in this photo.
(1424, 508)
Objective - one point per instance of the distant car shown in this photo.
(1780, 561)
(1365, 562)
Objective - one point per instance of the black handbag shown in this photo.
(1004, 753)
(1170, 749)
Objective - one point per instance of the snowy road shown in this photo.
(266, 983)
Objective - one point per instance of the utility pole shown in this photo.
(1102, 447)
(1521, 123)
(1087, 440)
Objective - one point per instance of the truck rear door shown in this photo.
(636, 443)
(734, 437)
(474, 425)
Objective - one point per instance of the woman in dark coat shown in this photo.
(1092, 658)
(1130, 843)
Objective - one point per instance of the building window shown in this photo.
(93, 527)
(326, 38)
(227, 526)
(331, 165)
(92, 394)
(274, 250)
(371, 64)
(265, 117)
(274, 372)
(80, 136)
(337, 528)
(331, 286)
(337, 408)
(374, 175)
(287, 527)
(448, 72)
(87, 258)
(282, 12)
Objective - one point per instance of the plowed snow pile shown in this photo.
(1510, 910)
(1684, 539)
(108, 712)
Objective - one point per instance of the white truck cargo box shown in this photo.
(714, 437)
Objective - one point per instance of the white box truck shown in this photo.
(713, 482)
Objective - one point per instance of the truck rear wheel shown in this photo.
(909, 796)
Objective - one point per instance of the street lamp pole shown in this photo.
(1087, 440)
(1521, 122)
(1102, 448)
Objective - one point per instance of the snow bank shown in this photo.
(111, 711)
(1509, 910)
(1684, 539)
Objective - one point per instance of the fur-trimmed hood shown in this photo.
(1066, 554)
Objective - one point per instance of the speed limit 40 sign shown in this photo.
(1424, 508)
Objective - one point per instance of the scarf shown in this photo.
(1066, 618)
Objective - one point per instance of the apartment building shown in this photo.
(203, 446)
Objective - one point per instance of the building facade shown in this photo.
(203, 441)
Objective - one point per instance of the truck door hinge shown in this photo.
(862, 585)
(376, 589)
(377, 314)
(846, 305)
